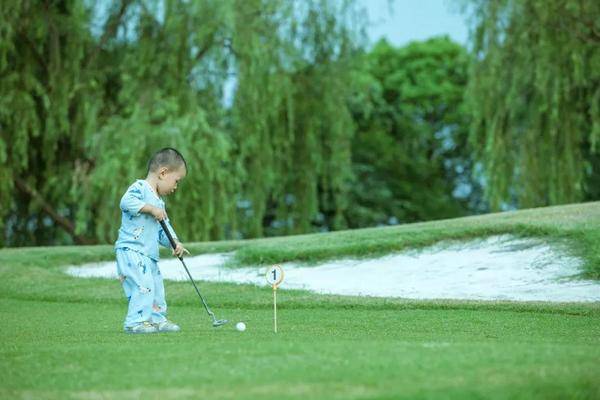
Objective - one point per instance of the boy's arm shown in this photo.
(158, 213)
(133, 203)
(162, 236)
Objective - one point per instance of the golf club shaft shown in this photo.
(210, 313)
(174, 245)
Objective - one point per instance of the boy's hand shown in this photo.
(158, 213)
(179, 250)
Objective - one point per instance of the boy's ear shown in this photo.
(163, 171)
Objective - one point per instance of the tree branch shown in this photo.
(112, 24)
(56, 217)
(205, 48)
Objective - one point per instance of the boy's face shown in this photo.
(169, 178)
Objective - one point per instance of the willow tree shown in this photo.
(48, 106)
(164, 87)
(535, 98)
(89, 92)
(292, 124)
(91, 89)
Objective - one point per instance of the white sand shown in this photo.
(496, 268)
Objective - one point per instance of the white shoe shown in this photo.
(167, 326)
(142, 327)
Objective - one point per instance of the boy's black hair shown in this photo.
(166, 157)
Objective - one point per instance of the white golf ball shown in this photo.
(240, 326)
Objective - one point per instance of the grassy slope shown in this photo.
(61, 337)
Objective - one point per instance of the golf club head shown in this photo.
(219, 322)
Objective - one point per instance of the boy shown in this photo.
(137, 245)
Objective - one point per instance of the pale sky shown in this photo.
(409, 20)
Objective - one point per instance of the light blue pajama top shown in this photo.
(140, 231)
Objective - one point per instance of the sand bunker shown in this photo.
(496, 268)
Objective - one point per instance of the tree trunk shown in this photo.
(65, 223)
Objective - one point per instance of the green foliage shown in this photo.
(47, 109)
(315, 136)
(535, 98)
(292, 122)
(82, 110)
(157, 106)
(203, 196)
(409, 152)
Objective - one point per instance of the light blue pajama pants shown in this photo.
(143, 286)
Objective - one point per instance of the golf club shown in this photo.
(215, 322)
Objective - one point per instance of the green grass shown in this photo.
(61, 336)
